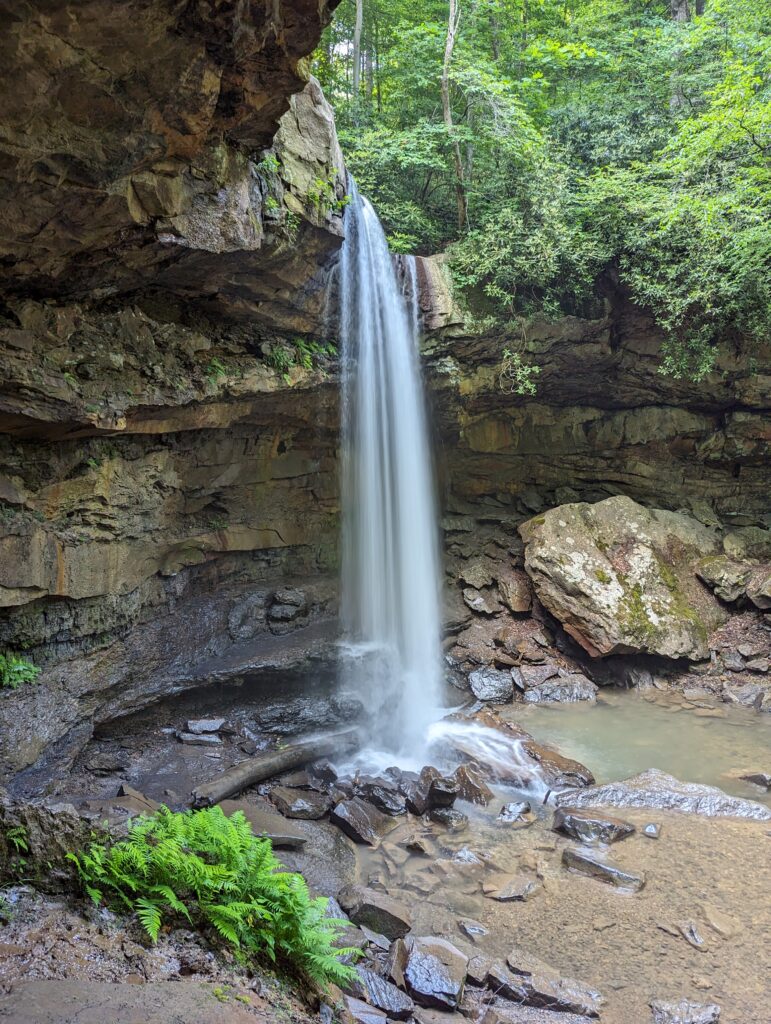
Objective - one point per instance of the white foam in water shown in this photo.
(391, 573)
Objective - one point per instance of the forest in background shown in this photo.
(543, 143)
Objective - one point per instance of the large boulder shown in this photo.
(621, 578)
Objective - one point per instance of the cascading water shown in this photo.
(391, 573)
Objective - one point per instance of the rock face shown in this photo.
(620, 578)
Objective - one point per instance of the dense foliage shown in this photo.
(624, 135)
(16, 670)
(212, 871)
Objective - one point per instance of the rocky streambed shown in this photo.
(517, 884)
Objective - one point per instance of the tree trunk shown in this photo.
(679, 9)
(460, 187)
(265, 766)
(357, 49)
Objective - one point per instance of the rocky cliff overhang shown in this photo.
(132, 151)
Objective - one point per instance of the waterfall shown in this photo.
(391, 573)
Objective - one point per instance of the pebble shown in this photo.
(652, 830)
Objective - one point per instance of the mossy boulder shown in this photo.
(621, 578)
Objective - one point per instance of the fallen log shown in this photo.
(273, 762)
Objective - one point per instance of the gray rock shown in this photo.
(655, 789)
(293, 803)
(107, 762)
(430, 791)
(684, 1012)
(733, 661)
(381, 792)
(588, 864)
(537, 984)
(528, 676)
(361, 821)
(206, 739)
(362, 1013)
(376, 911)
(517, 810)
(472, 929)
(450, 817)
(265, 822)
(652, 830)
(502, 1012)
(483, 602)
(590, 826)
(247, 616)
(397, 1005)
(565, 689)
(492, 685)
(431, 969)
(758, 779)
(199, 726)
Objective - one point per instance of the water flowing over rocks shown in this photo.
(655, 789)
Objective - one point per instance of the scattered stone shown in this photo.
(470, 784)
(655, 789)
(431, 969)
(199, 726)
(601, 924)
(528, 676)
(517, 810)
(424, 1015)
(376, 911)
(537, 984)
(512, 887)
(361, 821)
(563, 689)
(747, 650)
(299, 804)
(450, 817)
(430, 791)
(471, 929)
(483, 602)
(417, 844)
(502, 1012)
(205, 739)
(701, 982)
(684, 1012)
(690, 932)
(733, 661)
(725, 926)
(761, 665)
(380, 993)
(323, 771)
(362, 1013)
(588, 864)
(670, 929)
(375, 938)
(383, 793)
(267, 823)
(492, 685)
(652, 830)
(590, 826)
(762, 779)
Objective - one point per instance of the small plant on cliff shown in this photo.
(517, 377)
(15, 670)
(215, 873)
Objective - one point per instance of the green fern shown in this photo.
(214, 872)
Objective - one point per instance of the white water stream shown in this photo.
(391, 569)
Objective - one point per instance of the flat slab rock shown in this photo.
(432, 970)
(502, 1012)
(361, 821)
(656, 790)
(529, 981)
(375, 910)
(590, 826)
(89, 1002)
(267, 823)
(385, 996)
(589, 864)
(304, 804)
(684, 1012)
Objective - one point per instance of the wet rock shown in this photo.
(450, 817)
(564, 689)
(517, 810)
(537, 984)
(690, 932)
(198, 726)
(299, 804)
(323, 771)
(199, 740)
(471, 786)
(655, 789)
(502, 1012)
(431, 791)
(472, 929)
(620, 577)
(361, 821)
(376, 911)
(558, 771)
(589, 864)
(361, 1013)
(431, 969)
(590, 826)
(762, 779)
(684, 1012)
(417, 844)
(652, 830)
(483, 602)
(381, 792)
(527, 676)
(265, 822)
(492, 685)
(397, 1005)
(510, 888)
